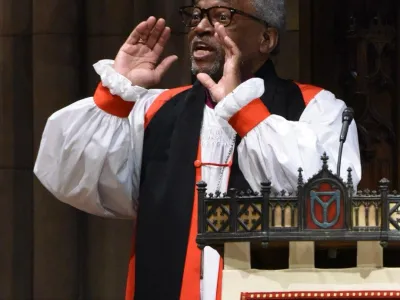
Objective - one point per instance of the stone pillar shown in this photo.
(369, 254)
(16, 192)
(301, 255)
(108, 24)
(237, 256)
(56, 83)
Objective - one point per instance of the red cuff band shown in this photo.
(249, 117)
(112, 104)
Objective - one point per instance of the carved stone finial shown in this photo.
(265, 187)
(384, 181)
(201, 184)
(232, 193)
(202, 187)
(349, 178)
(325, 159)
(384, 184)
(300, 180)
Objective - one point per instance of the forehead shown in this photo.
(239, 4)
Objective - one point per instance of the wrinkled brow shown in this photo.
(228, 2)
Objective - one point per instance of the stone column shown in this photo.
(301, 255)
(108, 24)
(16, 192)
(369, 254)
(237, 256)
(56, 83)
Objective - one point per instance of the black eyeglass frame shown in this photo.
(205, 11)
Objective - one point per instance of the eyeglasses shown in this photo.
(193, 15)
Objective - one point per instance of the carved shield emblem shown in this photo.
(325, 200)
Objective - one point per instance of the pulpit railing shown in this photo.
(325, 208)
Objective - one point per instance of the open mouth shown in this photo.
(202, 50)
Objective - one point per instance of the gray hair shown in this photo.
(271, 11)
(274, 13)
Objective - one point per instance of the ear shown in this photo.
(269, 40)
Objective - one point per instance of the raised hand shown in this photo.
(138, 58)
(231, 74)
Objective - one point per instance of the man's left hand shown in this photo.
(231, 74)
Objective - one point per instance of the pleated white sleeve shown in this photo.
(273, 148)
(90, 158)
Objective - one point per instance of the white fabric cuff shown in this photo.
(240, 97)
(116, 83)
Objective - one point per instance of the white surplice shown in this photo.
(91, 160)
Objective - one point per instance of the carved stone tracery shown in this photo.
(370, 89)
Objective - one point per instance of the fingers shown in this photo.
(141, 31)
(162, 41)
(155, 33)
(163, 67)
(220, 31)
(231, 49)
(134, 37)
(206, 80)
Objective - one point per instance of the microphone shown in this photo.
(347, 118)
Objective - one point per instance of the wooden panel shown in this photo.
(292, 18)
(354, 57)
(396, 183)
(305, 45)
(287, 61)
(323, 65)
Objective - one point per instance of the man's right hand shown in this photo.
(138, 58)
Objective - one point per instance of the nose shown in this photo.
(204, 27)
